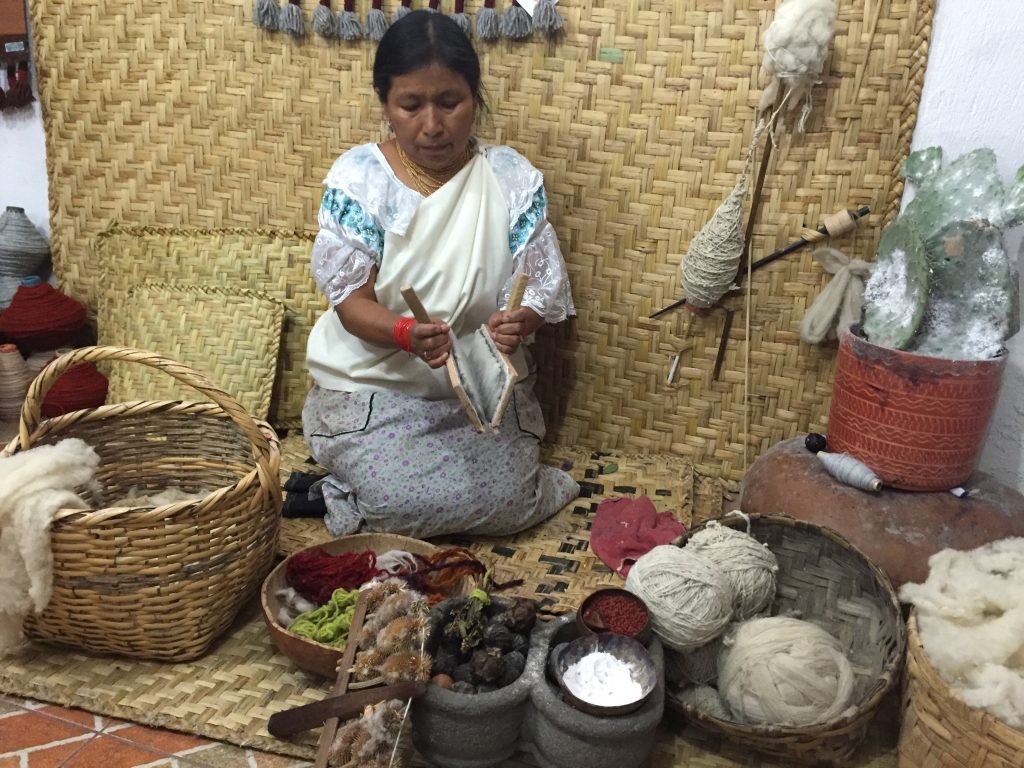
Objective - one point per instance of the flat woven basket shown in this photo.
(823, 578)
(939, 730)
(161, 582)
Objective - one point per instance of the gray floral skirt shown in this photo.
(416, 467)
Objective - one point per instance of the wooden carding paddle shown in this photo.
(342, 707)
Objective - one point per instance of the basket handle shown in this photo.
(31, 410)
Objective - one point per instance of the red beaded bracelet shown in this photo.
(400, 333)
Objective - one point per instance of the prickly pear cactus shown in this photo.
(942, 284)
(896, 292)
(969, 295)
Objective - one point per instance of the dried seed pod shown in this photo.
(462, 687)
(488, 665)
(521, 615)
(400, 667)
(498, 635)
(515, 663)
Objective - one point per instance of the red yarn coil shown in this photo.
(77, 388)
(316, 573)
(40, 317)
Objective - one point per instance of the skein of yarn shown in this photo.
(690, 600)
(748, 564)
(22, 248)
(41, 317)
(14, 380)
(784, 671)
(77, 388)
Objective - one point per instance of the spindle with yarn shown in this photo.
(689, 599)
(784, 671)
(748, 564)
(41, 317)
(14, 381)
(78, 388)
(850, 471)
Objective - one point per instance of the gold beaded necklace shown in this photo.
(428, 180)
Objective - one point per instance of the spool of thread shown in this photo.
(850, 471)
(77, 388)
(747, 563)
(41, 317)
(14, 380)
(39, 360)
(690, 600)
(783, 671)
(23, 249)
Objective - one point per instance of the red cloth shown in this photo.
(625, 529)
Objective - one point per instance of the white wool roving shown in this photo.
(795, 48)
(34, 484)
(690, 600)
(970, 613)
(784, 671)
(748, 564)
(705, 699)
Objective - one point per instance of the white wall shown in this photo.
(973, 96)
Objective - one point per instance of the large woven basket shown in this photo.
(939, 730)
(157, 582)
(823, 578)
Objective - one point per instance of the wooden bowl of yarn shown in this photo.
(605, 674)
(822, 578)
(307, 654)
(615, 611)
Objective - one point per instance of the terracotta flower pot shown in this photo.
(919, 422)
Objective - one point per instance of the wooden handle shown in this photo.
(515, 294)
(418, 311)
(343, 707)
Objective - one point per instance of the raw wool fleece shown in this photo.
(970, 611)
(34, 484)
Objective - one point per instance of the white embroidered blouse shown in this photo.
(364, 199)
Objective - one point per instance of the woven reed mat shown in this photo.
(230, 693)
(171, 113)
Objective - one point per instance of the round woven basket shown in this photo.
(939, 730)
(823, 578)
(159, 582)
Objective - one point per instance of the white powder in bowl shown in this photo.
(600, 678)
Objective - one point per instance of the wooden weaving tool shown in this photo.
(482, 376)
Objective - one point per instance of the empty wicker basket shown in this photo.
(940, 731)
(157, 582)
(825, 579)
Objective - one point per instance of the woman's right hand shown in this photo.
(431, 342)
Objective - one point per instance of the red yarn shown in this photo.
(315, 573)
(40, 317)
(78, 388)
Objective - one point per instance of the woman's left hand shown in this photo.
(508, 329)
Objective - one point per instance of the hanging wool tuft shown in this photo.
(290, 19)
(459, 17)
(323, 20)
(349, 27)
(402, 10)
(546, 18)
(376, 22)
(516, 23)
(488, 25)
(19, 86)
(796, 45)
(264, 14)
(434, 6)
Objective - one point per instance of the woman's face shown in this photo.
(432, 112)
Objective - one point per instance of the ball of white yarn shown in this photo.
(748, 564)
(689, 599)
(705, 699)
(783, 671)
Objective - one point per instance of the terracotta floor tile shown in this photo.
(107, 752)
(57, 755)
(77, 716)
(8, 705)
(170, 742)
(10, 762)
(29, 729)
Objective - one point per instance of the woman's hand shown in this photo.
(508, 329)
(431, 342)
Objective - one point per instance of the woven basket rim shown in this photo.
(938, 685)
(888, 676)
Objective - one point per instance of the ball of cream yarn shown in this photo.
(748, 564)
(784, 671)
(690, 600)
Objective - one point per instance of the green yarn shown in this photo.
(328, 624)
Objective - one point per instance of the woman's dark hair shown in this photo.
(422, 38)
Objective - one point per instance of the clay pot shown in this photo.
(919, 422)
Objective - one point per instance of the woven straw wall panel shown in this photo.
(174, 113)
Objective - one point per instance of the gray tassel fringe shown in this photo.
(516, 23)
(323, 22)
(400, 11)
(348, 26)
(488, 26)
(376, 24)
(463, 22)
(289, 19)
(264, 14)
(547, 19)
